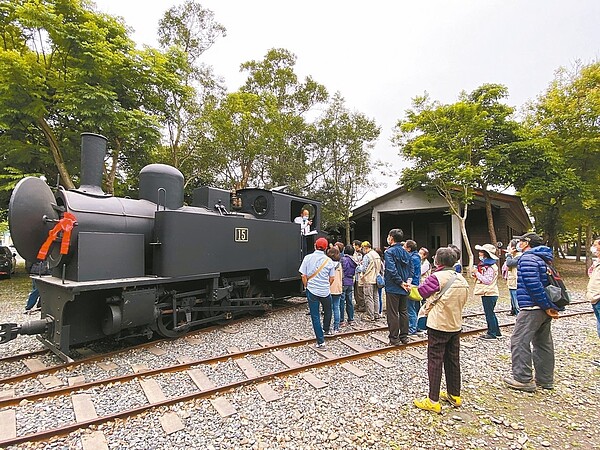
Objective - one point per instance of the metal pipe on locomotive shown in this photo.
(124, 267)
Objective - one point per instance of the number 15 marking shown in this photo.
(241, 235)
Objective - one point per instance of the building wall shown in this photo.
(421, 218)
(409, 203)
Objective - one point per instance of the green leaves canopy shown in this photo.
(64, 69)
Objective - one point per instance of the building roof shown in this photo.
(499, 200)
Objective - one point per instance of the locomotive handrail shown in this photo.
(158, 191)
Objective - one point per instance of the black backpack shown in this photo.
(556, 290)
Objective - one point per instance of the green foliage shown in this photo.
(341, 167)
(439, 141)
(65, 69)
(240, 132)
(564, 194)
(274, 78)
(185, 32)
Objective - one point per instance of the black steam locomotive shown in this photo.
(123, 267)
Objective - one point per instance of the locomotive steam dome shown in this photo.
(156, 178)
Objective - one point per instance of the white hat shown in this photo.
(489, 249)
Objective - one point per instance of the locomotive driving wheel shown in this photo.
(255, 291)
(175, 316)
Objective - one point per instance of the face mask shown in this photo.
(594, 250)
(481, 258)
(519, 248)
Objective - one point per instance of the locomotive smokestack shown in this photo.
(93, 150)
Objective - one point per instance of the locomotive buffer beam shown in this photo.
(9, 331)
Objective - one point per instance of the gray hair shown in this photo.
(445, 256)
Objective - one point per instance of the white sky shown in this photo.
(381, 54)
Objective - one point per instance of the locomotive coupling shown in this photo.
(9, 331)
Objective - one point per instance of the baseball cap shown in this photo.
(321, 244)
(533, 239)
(366, 244)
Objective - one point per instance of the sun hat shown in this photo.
(489, 249)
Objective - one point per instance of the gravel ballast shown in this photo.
(373, 411)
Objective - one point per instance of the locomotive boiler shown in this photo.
(124, 267)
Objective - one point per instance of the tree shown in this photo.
(440, 140)
(239, 133)
(65, 69)
(275, 77)
(185, 32)
(341, 169)
(567, 117)
(498, 133)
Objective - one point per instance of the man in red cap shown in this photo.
(318, 272)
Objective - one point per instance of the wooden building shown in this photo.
(428, 221)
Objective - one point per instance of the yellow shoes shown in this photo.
(454, 400)
(427, 405)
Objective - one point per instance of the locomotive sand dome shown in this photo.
(125, 267)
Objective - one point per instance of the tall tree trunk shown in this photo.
(465, 236)
(560, 249)
(489, 215)
(347, 222)
(552, 228)
(588, 244)
(578, 247)
(56, 154)
(112, 173)
(455, 210)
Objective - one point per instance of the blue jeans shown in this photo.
(335, 305)
(422, 322)
(314, 303)
(33, 296)
(380, 299)
(412, 308)
(596, 307)
(514, 305)
(346, 301)
(489, 303)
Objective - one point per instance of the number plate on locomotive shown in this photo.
(241, 235)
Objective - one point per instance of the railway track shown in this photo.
(198, 371)
(33, 367)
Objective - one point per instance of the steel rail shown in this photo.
(66, 429)
(100, 356)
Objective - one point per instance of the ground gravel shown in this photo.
(373, 411)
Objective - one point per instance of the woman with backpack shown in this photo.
(486, 285)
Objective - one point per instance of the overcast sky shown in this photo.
(381, 54)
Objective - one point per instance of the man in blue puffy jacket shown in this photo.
(532, 327)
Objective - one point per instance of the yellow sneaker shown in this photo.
(454, 400)
(428, 405)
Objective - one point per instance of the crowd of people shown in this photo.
(424, 298)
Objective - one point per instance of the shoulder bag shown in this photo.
(318, 270)
(426, 308)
